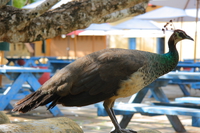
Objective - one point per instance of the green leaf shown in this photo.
(21, 3)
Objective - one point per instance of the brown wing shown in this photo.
(100, 78)
(88, 80)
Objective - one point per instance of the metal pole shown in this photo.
(181, 44)
(75, 44)
(195, 42)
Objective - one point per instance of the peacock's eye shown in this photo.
(181, 34)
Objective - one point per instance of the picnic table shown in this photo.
(20, 75)
(187, 67)
(194, 83)
(27, 61)
(54, 63)
(192, 67)
(191, 60)
(165, 107)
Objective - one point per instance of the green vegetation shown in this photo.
(21, 3)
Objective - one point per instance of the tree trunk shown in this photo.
(52, 125)
(4, 118)
(148, 131)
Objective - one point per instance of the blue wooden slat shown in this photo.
(189, 65)
(176, 104)
(175, 122)
(184, 89)
(159, 95)
(8, 95)
(196, 121)
(9, 107)
(11, 69)
(194, 100)
(100, 109)
(138, 97)
(127, 109)
(195, 85)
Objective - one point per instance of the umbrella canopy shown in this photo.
(93, 33)
(182, 4)
(35, 4)
(143, 33)
(103, 26)
(97, 29)
(166, 14)
(140, 28)
(77, 32)
(138, 24)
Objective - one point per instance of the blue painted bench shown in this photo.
(183, 84)
(145, 109)
(20, 75)
(24, 91)
(170, 110)
(185, 78)
(152, 110)
(188, 106)
(193, 100)
(188, 66)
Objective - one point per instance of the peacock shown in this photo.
(104, 75)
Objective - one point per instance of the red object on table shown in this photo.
(21, 62)
(45, 76)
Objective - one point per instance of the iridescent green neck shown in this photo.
(171, 58)
(173, 53)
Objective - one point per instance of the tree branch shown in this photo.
(129, 12)
(69, 17)
(3, 2)
(36, 12)
(42, 8)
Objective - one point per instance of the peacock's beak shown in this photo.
(190, 38)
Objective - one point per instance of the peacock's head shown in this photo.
(179, 35)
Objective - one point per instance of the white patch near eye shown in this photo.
(177, 38)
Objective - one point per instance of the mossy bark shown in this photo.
(4, 118)
(52, 125)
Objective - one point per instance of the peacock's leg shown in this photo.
(108, 104)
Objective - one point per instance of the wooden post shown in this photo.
(93, 43)
(1, 63)
(75, 43)
(195, 40)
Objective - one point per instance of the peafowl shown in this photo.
(104, 75)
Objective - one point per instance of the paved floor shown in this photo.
(87, 118)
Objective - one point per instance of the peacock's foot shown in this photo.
(124, 131)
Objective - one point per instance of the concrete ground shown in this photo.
(88, 120)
